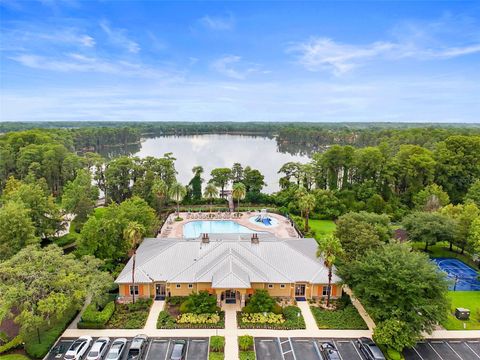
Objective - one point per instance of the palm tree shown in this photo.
(177, 192)
(197, 170)
(238, 192)
(133, 233)
(329, 248)
(210, 192)
(160, 190)
(306, 204)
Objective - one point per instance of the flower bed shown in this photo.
(191, 321)
(345, 317)
(290, 319)
(130, 316)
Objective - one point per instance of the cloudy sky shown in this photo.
(240, 61)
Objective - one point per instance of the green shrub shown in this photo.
(216, 356)
(245, 342)
(247, 355)
(262, 318)
(347, 318)
(90, 325)
(130, 316)
(393, 354)
(277, 309)
(217, 343)
(175, 300)
(261, 301)
(140, 304)
(191, 318)
(199, 303)
(165, 321)
(293, 317)
(14, 343)
(92, 315)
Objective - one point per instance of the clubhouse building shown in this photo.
(229, 266)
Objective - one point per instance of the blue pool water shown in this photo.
(467, 277)
(194, 229)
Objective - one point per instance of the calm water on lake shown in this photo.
(212, 151)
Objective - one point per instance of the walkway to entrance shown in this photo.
(231, 340)
(155, 310)
(310, 322)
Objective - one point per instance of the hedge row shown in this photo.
(96, 319)
(12, 344)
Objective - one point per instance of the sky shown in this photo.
(405, 61)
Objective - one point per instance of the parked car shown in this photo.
(369, 349)
(117, 349)
(329, 351)
(59, 351)
(138, 347)
(78, 348)
(99, 348)
(179, 350)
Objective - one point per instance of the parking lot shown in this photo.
(157, 348)
(308, 349)
(444, 350)
(302, 348)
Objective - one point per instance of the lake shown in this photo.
(213, 151)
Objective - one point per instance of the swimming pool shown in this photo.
(467, 277)
(194, 229)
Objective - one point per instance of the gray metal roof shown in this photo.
(227, 261)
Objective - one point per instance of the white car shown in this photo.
(99, 348)
(117, 349)
(78, 348)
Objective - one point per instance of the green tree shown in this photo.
(395, 334)
(220, 178)
(306, 203)
(238, 193)
(394, 282)
(473, 194)
(429, 228)
(463, 216)
(237, 173)
(199, 303)
(329, 249)
(119, 178)
(133, 234)
(103, 233)
(79, 195)
(431, 198)
(43, 211)
(160, 190)
(16, 229)
(196, 182)
(261, 301)
(254, 180)
(474, 237)
(177, 192)
(210, 192)
(42, 284)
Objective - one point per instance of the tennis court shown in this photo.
(465, 277)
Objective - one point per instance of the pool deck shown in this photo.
(174, 229)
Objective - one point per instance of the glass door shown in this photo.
(160, 291)
(300, 290)
(230, 297)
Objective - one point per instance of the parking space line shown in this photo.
(291, 347)
(477, 355)
(358, 352)
(286, 352)
(186, 352)
(436, 352)
(168, 349)
(446, 342)
(280, 346)
(421, 357)
(317, 350)
(148, 350)
(283, 342)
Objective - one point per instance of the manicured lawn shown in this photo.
(441, 249)
(14, 357)
(322, 227)
(465, 299)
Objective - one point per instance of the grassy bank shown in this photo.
(464, 299)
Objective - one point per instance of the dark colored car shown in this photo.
(179, 349)
(138, 347)
(369, 349)
(329, 352)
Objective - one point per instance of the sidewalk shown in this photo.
(310, 323)
(361, 310)
(231, 331)
(155, 310)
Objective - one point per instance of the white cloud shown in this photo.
(218, 22)
(119, 38)
(323, 53)
(233, 67)
(75, 62)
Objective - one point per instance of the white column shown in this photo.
(242, 301)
